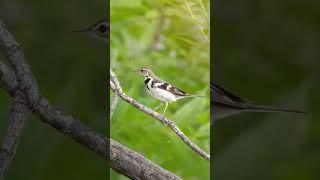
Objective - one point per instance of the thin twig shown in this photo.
(195, 19)
(116, 87)
(113, 104)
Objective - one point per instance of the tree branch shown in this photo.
(7, 79)
(135, 168)
(116, 87)
(18, 116)
(122, 159)
(156, 45)
(21, 68)
(113, 104)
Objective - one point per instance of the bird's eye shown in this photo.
(102, 28)
(141, 70)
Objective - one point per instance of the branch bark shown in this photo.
(113, 104)
(18, 115)
(122, 159)
(116, 88)
(22, 70)
(135, 169)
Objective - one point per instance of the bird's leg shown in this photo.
(158, 106)
(165, 108)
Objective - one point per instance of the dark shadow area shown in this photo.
(70, 69)
(268, 53)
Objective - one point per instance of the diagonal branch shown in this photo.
(7, 79)
(116, 87)
(122, 159)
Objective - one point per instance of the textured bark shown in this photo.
(137, 167)
(18, 115)
(22, 70)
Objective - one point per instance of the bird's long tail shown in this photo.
(257, 108)
(191, 96)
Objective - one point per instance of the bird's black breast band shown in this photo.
(146, 82)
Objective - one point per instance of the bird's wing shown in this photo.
(168, 87)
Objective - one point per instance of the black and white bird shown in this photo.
(161, 89)
(100, 30)
(226, 104)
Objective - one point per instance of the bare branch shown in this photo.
(113, 104)
(20, 110)
(116, 87)
(7, 79)
(122, 159)
(22, 70)
(18, 116)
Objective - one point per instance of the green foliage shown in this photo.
(170, 37)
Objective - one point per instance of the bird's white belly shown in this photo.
(162, 95)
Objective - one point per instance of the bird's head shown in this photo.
(146, 72)
(100, 30)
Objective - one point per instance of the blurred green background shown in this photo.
(71, 70)
(170, 37)
(268, 51)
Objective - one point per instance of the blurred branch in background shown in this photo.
(21, 85)
(116, 88)
(197, 21)
(113, 104)
(156, 43)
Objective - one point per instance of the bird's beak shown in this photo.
(137, 71)
(82, 30)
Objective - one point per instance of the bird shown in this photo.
(99, 30)
(226, 103)
(162, 90)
